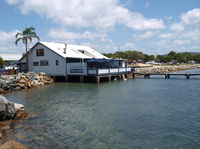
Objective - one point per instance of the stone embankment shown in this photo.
(165, 69)
(22, 81)
(10, 113)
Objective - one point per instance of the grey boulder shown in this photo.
(7, 109)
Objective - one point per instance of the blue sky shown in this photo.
(149, 26)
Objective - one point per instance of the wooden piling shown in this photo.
(81, 79)
(187, 76)
(66, 78)
(109, 78)
(97, 79)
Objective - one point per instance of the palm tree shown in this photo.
(26, 36)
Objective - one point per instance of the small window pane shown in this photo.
(44, 63)
(57, 62)
(40, 52)
(35, 63)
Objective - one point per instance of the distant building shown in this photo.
(59, 59)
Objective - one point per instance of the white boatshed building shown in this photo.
(59, 59)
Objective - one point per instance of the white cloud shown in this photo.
(148, 34)
(194, 34)
(167, 35)
(139, 22)
(128, 46)
(102, 14)
(64, 35)
(191, 17)
(182, 42)
(11, 56)
(7, 42)
(7, 36)
(178, 27)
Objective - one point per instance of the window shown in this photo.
(35, 63)
(73, 60)
(57, 62)
(44, 63)
(40, 52)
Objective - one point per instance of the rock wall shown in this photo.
(163, 69)
(23, 80)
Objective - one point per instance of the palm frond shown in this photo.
(26, 35)
(37, 37)
(32, 28)
(18, 34)
(17, 40)
(32, 34)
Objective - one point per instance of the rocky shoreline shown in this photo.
(10, 114)
(23, 81)
(165, 69)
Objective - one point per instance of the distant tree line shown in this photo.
(171, 56)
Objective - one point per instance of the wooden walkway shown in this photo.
(166, 75)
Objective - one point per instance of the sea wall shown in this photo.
(163, 69)
(23, 80)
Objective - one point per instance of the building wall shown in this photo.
(52, 68)
(76, 68)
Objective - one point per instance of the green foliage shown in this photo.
(184, 57)
(26, 36)
(1, 61)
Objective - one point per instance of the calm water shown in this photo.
(139, 113)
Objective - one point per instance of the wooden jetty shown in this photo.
(166, 75)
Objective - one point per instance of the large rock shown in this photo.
(23, 81)
(7, 109)
(12, 145)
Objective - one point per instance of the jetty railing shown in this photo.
(108, 71)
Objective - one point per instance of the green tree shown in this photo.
(26, 36)
(196, 58)
(1, 62)
(148, 57)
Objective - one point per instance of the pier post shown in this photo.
(54, 78)
(123, 76)
(133, 75)
(146, 76)
(187, 76)
(167, 76)
(126, 76)
(97, 79)
(66, 78)
(81, 79)
(109, 78)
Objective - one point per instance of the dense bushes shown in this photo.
(171, 56)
